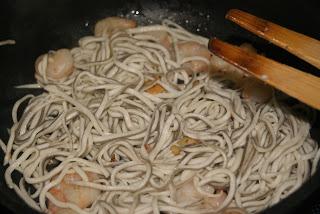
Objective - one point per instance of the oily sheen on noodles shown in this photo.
(131, 127)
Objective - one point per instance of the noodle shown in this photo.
(145, 149)
(7, 42)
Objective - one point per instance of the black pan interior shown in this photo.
(42, 25)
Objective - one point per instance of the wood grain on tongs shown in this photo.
(300, 85)
(298, 44)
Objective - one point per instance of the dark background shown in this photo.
(42, 25)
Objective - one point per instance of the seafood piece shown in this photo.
(194, 49)
(67, 192)
(60, 65)
(187, 194)
(111, 25)
(163, 38)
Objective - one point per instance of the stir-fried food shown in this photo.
(146, 120)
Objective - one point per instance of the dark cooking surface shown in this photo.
(41, 25)
(310, 207)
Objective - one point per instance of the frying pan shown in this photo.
(42, 25)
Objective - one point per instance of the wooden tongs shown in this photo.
(298, 84)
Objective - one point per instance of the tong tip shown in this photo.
(232, 13)
(234, 55)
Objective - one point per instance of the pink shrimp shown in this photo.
(190, 49)
(68, 192)
(187, 193)
(163, 38)
(60, 64)
(111, 25)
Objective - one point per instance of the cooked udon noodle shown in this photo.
(7, 42)
(100, 141)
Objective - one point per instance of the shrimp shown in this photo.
(60, 64)
(110, 25)
(194, 49)
(67, 192)
(163, 38)
(187, 194)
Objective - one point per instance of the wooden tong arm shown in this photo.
(298, 44)
(298, 84)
